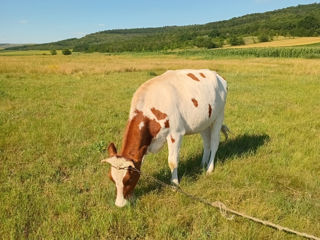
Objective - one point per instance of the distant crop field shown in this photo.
(281, 42)
(59, 113)
(267, 52)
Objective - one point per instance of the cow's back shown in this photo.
(189, 99)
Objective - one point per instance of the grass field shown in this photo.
(58, 114)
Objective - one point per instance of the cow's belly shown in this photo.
(198, 119)
(197, 126)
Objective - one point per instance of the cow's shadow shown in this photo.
(233, 148)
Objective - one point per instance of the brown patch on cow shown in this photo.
(136, 140)
(154, 128)
(202, 75)
(172, 139)
(166, 123)
(191, 75)
(195, 102)
(210, 110)
(159, 115)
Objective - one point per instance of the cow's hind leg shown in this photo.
(206, 137)
(174, 142)
(215, 137)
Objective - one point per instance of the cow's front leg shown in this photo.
(174, 142)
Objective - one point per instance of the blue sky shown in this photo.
(39, 21)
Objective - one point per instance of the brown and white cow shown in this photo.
(164, 109)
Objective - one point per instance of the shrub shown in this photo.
(263, 38)
(66, 52)
(152, 74)
(53, 52)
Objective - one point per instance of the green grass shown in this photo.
(55, 126)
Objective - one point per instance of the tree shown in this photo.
(308, 26)
(235, 41)
(214, 33)
(66, 52)
(204, 42)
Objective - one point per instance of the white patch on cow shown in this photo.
(118, 175)
(141, 125)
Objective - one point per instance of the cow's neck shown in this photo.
(137, 138)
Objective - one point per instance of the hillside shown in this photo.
(302, 20)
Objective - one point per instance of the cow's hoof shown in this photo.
(210, 170)
(175, 182)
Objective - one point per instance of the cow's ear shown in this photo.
(112, 150)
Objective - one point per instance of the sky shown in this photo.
(41, 21)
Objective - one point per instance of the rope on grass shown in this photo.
(222, 207)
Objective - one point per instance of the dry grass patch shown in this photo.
(282, 42)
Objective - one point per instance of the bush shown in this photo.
(53, 52)
(263, 38)
(66, 52)
(235, 41)
(204, 42)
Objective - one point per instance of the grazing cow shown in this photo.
(166, 108)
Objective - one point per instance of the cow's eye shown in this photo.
(130, 169)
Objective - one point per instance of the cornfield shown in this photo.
(282, 52)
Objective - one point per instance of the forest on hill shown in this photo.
(301, 20)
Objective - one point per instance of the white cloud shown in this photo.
(101, 25)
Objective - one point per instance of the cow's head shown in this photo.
(124, 175)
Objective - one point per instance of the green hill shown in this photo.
(302, 20)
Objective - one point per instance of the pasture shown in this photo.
(59, 113)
